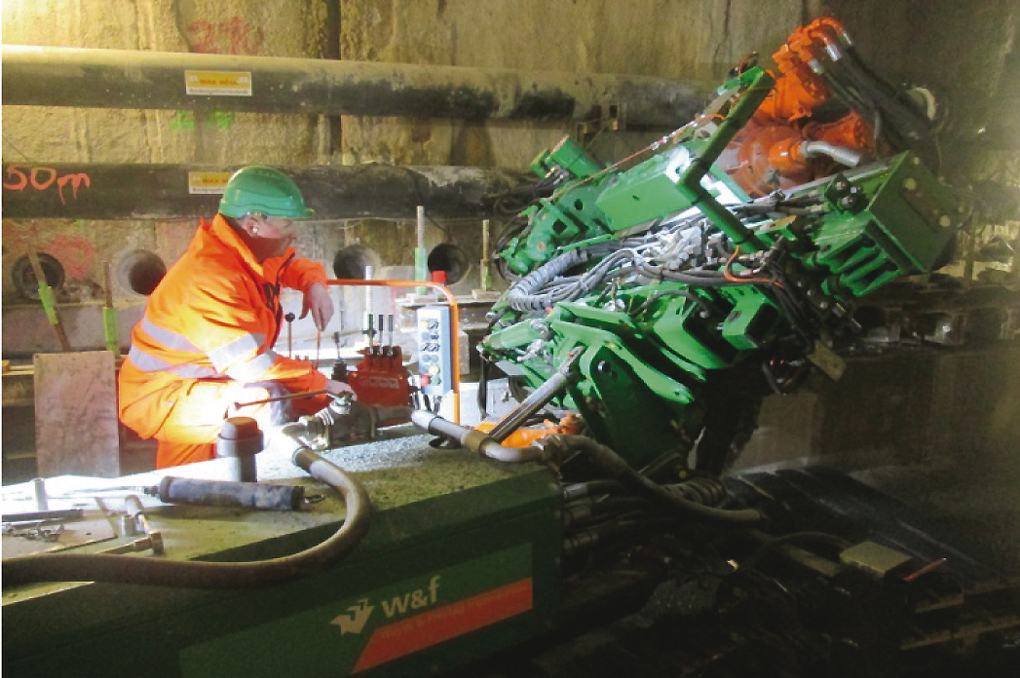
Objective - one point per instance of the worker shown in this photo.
(205, 342)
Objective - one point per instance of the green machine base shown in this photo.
(460, 562)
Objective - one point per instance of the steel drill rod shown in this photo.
(290, 396)
(57, 514)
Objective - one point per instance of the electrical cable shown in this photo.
(524, 196)
(748, 278)
(655, 296)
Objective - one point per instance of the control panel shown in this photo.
(435, 350)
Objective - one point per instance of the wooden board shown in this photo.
(76, 428)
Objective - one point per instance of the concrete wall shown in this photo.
(962, 50)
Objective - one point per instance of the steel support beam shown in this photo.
(104, 78)
(113, 191)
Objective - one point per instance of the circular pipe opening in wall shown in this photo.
(25, 280)
(449, 259)
(350, 262)
(140, 271)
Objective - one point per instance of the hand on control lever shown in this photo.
(338, 389)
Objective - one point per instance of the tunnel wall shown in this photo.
(964, 51)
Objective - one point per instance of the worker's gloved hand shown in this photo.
(339, 388)
(318, 301)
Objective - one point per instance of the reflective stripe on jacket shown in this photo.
(215, 315)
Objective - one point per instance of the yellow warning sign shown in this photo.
(218, 83)
(207, 183)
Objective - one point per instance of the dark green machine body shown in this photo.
(664, 276)
(440, 581)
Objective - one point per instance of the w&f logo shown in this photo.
(411, 600)
(354, 621)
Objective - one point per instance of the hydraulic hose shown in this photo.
(844, 156)
(592, 488)
(586, 511)
(618, 469)
(587, 539)
(211, 575)
(558, 447)
(472, 439)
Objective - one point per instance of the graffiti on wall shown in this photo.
(76, 253)
(21, 178)
(184, 120)
(231, 36)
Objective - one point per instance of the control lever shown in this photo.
(290, 336)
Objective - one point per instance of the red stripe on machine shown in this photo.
(443, 623)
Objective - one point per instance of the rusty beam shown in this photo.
(133, 191)
(103, 78)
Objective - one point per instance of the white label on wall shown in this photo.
(218, 83)
(207, 183)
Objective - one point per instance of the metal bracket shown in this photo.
(608, 117)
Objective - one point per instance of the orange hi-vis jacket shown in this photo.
(211, 323)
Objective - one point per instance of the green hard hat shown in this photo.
(264, 190)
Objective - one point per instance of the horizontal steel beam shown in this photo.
(109, 191)
(101, 78)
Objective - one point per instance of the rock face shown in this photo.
(962, 51)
